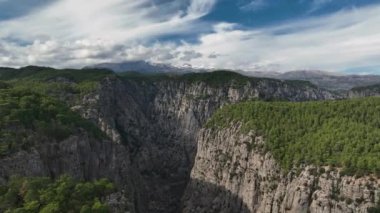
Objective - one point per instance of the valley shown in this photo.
(174, 143)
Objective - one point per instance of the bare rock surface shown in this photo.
(159, 121)
(236, 163)
(152, 128)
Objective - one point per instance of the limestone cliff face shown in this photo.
(159, 121)
(152, 126)
(81, 157)
(232, 174)
(365, 92)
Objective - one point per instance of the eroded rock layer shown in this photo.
(232, 173)
(152, 127)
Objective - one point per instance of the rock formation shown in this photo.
(159, 121)
(243, 178)
(152, 127)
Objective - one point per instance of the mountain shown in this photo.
(286, 157)
(144, 67)
(332, 81)
(182, 143)
(326, 80)
(366, 91)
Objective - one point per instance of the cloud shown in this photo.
(334, 42)
(80, 53)
(213, 55)
(77, 32)
(118, 30)
(118, 20)
(253, 5)
(200, 8)
(190, 55)
(318, 4)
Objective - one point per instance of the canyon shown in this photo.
(162, 159)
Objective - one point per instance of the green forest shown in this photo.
(343, 133)
(216, 78)
(42, 195)
(53, 82)
(372, 88)
(31, 112)
(27, 117)
(47, 73)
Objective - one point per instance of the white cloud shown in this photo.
(316, 5)
(75, 32)
(254, 5)
(119, 30)
(200, 8)
(346, 39)
(118, 20)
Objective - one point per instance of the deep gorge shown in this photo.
(155, 136)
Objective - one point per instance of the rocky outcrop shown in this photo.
(327, 80)
(83, 158)
(244, 178)
(152, 126)
(159, 121)
(361, 92)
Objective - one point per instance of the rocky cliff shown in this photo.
(152, 126)
(82, 157)
(327, 80)
(359, 92)
(159, 120)
(232, 173)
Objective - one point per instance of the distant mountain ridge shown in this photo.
(323, 79)
(143, 67)
(326, 80)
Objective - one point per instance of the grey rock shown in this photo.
(255, 179)
(153, 128)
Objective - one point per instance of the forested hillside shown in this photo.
(214, 79)
(39, 194)
(33, 113)
(27, 118)
(367, 91)
(339, 133)
(138, 131)
(31, 110)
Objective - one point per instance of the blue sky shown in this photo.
(270, 12)
(264, 35)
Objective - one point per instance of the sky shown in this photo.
(251, 35)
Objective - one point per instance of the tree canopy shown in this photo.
(27, 117)
(40, 194)
(343, 133)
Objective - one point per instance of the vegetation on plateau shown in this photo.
(40, 194)
(342, 133)
(35, 109)
(51, 81)
(31, 112)
(27, 117)
(372, 88)
(47, 73)
(213, 79)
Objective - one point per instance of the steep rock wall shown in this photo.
(81, 157)
(369, 92)
(159, 121)
(232, 173)
(153, 127)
